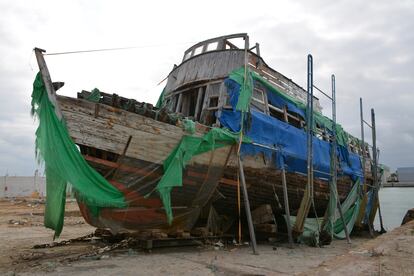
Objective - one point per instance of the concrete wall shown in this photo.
(406, 174)
(16, 186)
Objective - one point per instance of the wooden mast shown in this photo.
(44, 71)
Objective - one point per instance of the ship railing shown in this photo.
(227, 42)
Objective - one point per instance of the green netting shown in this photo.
(95, 96)
(333, 225)
(189, 126)
(188, 147)
(246, 87)
(64, 164)
(350, 210)
(160, 101)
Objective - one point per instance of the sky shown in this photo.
(368, 45)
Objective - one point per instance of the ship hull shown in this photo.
(128, 149)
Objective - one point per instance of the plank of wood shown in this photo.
(266, 228)
(262, 214)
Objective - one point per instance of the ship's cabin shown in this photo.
(196, 87)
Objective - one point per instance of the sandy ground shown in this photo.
(21, 228)
(388, 254)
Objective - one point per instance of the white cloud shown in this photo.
(368, 45)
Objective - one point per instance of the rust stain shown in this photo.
(110, 123)
(156, 130)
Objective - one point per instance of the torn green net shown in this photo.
(188, 147)
(64, 164)
(333, 224)
(160, 101)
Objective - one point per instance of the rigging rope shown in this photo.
(112, 49)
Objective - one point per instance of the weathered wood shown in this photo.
(103, 127)
(210, 65)
(200, 96)
(287, 208)
(44, 71)
(179, 103)
(151, 140)
(266, 228)
(262, 214)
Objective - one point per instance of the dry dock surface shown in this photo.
(21, 228)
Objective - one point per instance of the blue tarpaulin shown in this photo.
(289, 140)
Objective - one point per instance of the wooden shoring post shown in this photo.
(375, 169)
(287, 210)
(198, 103)
(44, 71)
(306, 200)
(179, 103)
(334, 160)
(247, 208)
(114, 171)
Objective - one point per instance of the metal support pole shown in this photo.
(305, 204)
(361, 109)
(334, 161)
(309, 131)
(375, 167)
(247, 207)
(287, 210)
(362, 138)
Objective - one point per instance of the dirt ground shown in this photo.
(21, 228)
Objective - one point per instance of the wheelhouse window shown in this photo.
(259, 100)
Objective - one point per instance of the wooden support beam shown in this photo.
(199, 102)
(247, 208)
(179, 102)
(44, 71)
(262, 214)
(285, 114)
(287, 210)
(114, 175)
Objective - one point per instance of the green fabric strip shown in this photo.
(246, 88)
(95, 96)
(160, 102)
(334, 226)
(64, 164)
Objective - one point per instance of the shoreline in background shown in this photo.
(395, 202)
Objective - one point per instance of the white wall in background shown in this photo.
(16, 186)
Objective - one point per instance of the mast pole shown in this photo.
(362, 139)
(334, 160)
(364, 154)
(306, 199)
(44, 71)
(375, 169)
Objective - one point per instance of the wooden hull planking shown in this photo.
(129, 150)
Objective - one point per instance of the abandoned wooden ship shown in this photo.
(127, 141)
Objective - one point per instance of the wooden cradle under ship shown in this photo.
(127, 141)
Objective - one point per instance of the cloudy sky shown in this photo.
(369, 45)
